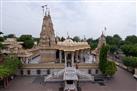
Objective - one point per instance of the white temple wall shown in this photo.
(33, 72)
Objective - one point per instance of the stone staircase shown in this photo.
(54, 75)
(57, 75)
(85, 75)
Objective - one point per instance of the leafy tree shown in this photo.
(28, 44)
(28, 41)
(129, 49)
(62, 38)
(90, 40)
(110, 68)
(113, 48)
(25, 37)
(117, 40)
(1, 39)
(114, 42)
(11, 36)
(1, 46)
(109, 40)
(103, 58)
(130, 61)
(11, 64)
(106, 67)
(1, 33)
(92, 43)
(131, 39)
(76, 38)
(4, 72)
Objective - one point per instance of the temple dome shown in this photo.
(70, 42)
(67, 42)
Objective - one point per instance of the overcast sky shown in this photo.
(75, 17)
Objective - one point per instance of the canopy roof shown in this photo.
(70, 45)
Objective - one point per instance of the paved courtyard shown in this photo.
(122, 81)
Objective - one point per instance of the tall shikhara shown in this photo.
(47, 35)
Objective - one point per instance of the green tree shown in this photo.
(114, 42)
(76, 38)
(117, 40)
(28, 44)
(4, 72)
(129, 49)
(25, 37)
(131, 39)
(62, 39)
(28, 41)
(1, 46)
(9, 67)
(1, 39)
(90, 40)
(107, 67)
(103, 58)
(130, 61)
(113, 48)
(110, 68)
(11, 36)
(109, 40)
(92, 43)
(1, 33)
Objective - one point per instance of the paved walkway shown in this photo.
(122, 81)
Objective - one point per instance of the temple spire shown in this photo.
(48, 11)
(102, 41)
(47, 36)
(84, 39)
(45, 10)
(68, 37)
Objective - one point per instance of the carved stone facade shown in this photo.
(47, 41)
(47, 36)
(47, 55)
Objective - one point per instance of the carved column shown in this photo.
(81, 57)
(77, 60)
(60, 56)
(72, 58)
(65, 58)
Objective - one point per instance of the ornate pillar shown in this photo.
(77, 60)
(81, 57)
(65, 58)
(60, 56)
(72, 58)
(93, 57)
(26, 60)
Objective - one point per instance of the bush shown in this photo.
(11, 64)
(110, 68)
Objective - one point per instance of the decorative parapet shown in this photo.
(58, 66)
(70, 45)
